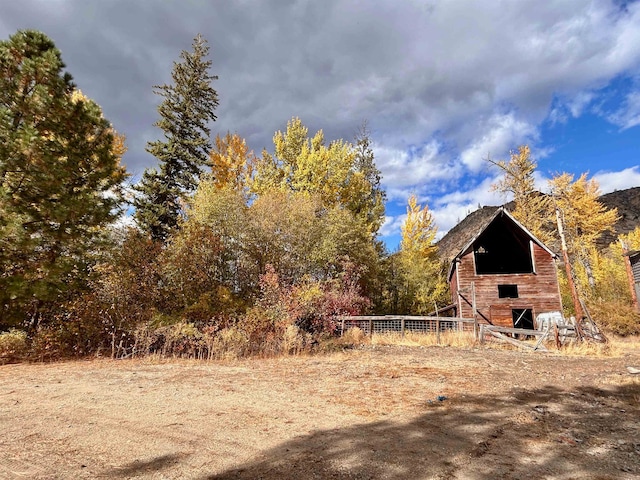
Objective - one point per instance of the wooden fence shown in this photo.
(371, 324)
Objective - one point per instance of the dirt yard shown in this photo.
(372, 413)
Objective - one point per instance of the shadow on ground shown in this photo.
(146, 467)
(540, 433)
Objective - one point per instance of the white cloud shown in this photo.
(579, 103)
(629, 114)
(503, 133)
(450, 209)
(447, 72)
(611, 181)
(124, 221)
(410, 170)
(391, 225)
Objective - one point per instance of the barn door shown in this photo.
(522, 318)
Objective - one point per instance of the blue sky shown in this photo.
(594, 141)
(442, 85)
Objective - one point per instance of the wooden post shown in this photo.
(565, 256)
(402, 327)
(475, 312)
(556, 335)
(342, 327)
(438, 330)
(371, 327)
(481, 334)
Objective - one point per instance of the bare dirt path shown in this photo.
(376, 412)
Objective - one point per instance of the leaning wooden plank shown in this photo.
(539, 345)
(519, 331)
(515, 342)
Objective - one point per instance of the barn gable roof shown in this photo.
(500, 212)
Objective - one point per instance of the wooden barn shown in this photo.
(508, 272)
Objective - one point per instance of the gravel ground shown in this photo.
(373, 413)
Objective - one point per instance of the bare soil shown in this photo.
(372, 413)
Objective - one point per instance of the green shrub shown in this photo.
(13, 345)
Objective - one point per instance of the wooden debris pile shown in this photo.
(549, 327)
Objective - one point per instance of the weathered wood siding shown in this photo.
(538, 291)
(635, 266)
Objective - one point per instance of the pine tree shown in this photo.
(187, 108)
(584, 217)
(370, 205)
(59, 170)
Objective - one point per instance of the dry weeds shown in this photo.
(615, 347)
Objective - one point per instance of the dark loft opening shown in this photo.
(522, 318)
(507, 291)
(503, 248)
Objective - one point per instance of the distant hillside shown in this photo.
(626, 201)
(628, 204)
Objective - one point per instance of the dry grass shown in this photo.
(13, 345)
(410, 339)
(590, 349)
(616, 347)
(627, 344)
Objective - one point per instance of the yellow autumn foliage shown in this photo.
(232, 163)
(532, 209)
(423, 284)
(301, 163)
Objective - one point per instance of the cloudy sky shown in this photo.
(443, 85)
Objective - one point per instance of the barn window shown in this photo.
(507, 291)
(522, 318)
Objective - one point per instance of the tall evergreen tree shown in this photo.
(59, 168)
(371, 205)
(187, 107)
